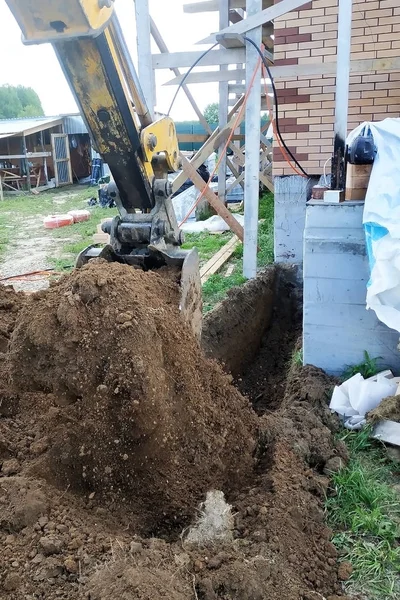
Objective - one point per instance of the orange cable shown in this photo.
(282, 149)
(239, 115)
(46, 272)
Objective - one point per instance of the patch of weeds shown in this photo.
(364, 510)
(216, 287)
(205, 214)
(376, 566)
(206, 243)
(297, 358)
(266, 230)
(214, 290)
(357, 441)
(77, 237)
(57, 200)
(367, 368)
(63, 264)
(5, 235)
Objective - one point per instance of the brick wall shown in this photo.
(306, 104)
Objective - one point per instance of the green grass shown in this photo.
(208, 244)
(214, 290)
(367, 368)
(364, 511)
(5, 235)
(16, 210)
(297, 358)
(48, 202)
(79, 236)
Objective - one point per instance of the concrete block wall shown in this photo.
(291, 194)
(337, 328)
(308, 36)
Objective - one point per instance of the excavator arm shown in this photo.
(92, 52)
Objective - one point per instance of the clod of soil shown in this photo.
(10, 303)
(137, 414)
(388, 410)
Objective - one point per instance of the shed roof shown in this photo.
(27, 126)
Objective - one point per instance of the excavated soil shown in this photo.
(388, 410)
(133, 411)
(113, 427)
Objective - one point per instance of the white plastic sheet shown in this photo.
(215, 224)
(184, 201)
(382, 222)
(357, 396)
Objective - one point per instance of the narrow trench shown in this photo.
(264, 381)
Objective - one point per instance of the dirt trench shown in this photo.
(104, 460)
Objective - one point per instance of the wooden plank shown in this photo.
(219, 259)
(212, 5)
(288, 71)
(229, 270)
(267, 28)
(186, 59)
(258, 19)
(218, 206)
(27, 155)
(223, 106)
(265, 181)
(232, 167)
(198, 138)
(162, 46)
(41, 127)
(211, 144)
(237, 181)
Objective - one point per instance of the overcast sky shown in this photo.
(37, 66)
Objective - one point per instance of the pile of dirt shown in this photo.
(388, 410)
(133, 411)
(102, 451)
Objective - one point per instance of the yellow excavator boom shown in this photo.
(88, 41)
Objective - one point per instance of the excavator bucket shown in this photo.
(191, 303)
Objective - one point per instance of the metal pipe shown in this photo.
(145, 65)
(223, 104)
(342, 95)
(252, 164)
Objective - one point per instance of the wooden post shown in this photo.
(252, 164)
(223, 104)
(1, 189)
(342, 95)
(146, 72)
(26, 164)
(212, 198)
(46, 175)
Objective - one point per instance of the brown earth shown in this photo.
(135, 412)
(264, 381)
(77, 516)
(388, 410)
